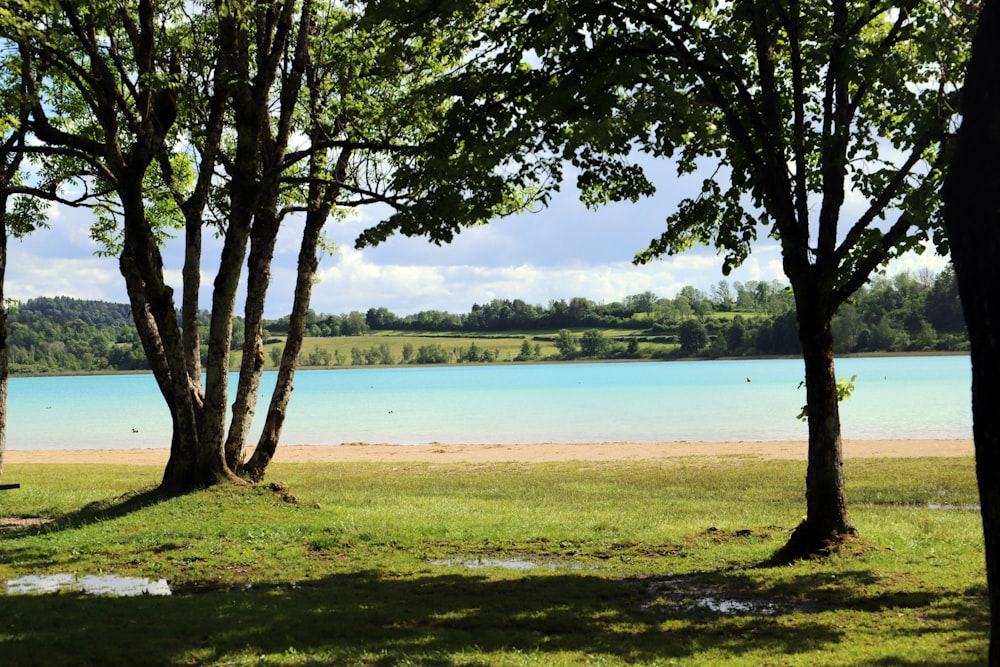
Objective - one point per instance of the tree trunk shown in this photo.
(220, 337)
(322, 197)
(308, 263)
(262, 241)
(184, 398)
(4, 351)
(191, 274)
(972, 220)
(827, 520)
(153, 312)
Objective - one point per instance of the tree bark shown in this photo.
(827, 520)
(254, 195)
(4, 351)
(213, 427)
(256, 466)
(156, 321)
(262, 241)
(972, 221)
(191, 275)
(322, 198)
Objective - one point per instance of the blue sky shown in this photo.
(559, 252)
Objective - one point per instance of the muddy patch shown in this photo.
(686, 596)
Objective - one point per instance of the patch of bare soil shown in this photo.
(11, 522)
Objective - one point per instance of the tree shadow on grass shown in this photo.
(430, 619)
(40, 557)
(94, 512)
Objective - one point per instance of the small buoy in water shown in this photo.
(749, 380)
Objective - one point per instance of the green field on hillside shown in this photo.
(344, 350)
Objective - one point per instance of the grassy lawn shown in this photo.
(637, 563)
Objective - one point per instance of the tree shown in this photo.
(794, 96)
(942, 307)
(231, 116)
(19, 215)
(697, 300)
(846, 328)
(972, 221)
(354, 324)
(525, 352)
(433, 353)
(786, 105)
(693, 337)
(566, 343)
(380, 319)
(736, 335)
(722, 295)
(644, 302)
(593, 343)
(581, 310)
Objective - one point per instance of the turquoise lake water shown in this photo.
(895, 397)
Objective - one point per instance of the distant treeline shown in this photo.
(638, 311)
(64, 335)
(907, 312)
(904, 313)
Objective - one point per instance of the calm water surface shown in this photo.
(895, 397)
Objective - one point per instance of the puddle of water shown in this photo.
(505, 563)
(685, 596)
(733, 607)
(90, 584)
(477, 563)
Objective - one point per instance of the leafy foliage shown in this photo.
(845, 388)
(63, 335)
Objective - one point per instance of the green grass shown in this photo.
(506, 346)
(370, 566)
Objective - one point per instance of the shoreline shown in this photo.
(502, 335)
(360, 452)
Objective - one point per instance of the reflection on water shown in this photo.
(734, 607)
(682, 596)
(89, 584)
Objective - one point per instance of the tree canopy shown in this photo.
(819, 124)
(229, 117)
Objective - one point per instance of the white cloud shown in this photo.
(560, 253)
(30, 276)
(913, 262)
(353, 282)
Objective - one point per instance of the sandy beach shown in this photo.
(526, 453)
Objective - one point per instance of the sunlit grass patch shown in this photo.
(654, 562)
